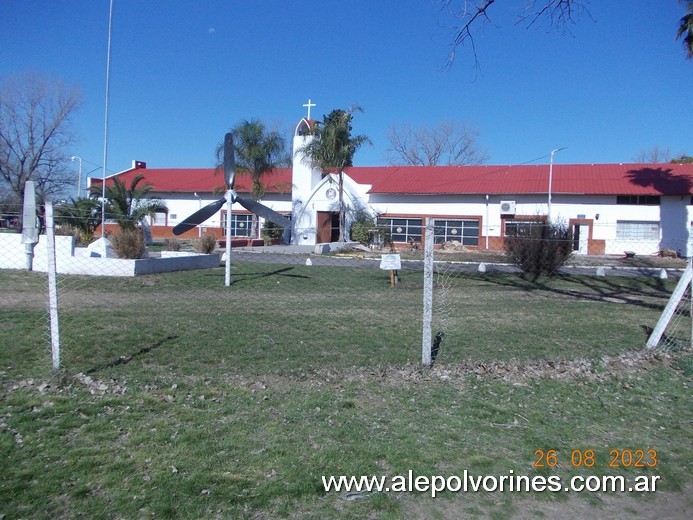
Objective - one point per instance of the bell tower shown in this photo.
(304, 180)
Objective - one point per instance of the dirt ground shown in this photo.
(657, 506)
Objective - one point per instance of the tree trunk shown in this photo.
(342, 220)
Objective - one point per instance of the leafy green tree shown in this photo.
(82, 214)
(333, 149)
(258, 151)
(129, 205)
(686, 29)
(682, 159)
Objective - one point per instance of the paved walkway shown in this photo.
(282, 249)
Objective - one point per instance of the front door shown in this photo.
(581, 235)
(327, 227)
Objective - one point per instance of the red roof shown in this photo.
(201, 180)
(587, 179)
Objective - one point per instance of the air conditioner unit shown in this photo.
(507, 207)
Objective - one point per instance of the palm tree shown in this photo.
(82, 214)
(686, 29)
(333, 150)
(128, 206)
(257, 152)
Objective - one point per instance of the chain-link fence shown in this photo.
(290, 309)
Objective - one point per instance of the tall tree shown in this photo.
(448, 143)
(258, 151)
(129, 205)
(333, 149)
(35, 133)
(686, 29)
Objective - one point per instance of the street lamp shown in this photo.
(199, 206)
(548, 214)
(79, 175)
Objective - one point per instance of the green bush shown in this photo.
(206, 244)
(542, 250)
(360, 231)
(128, 243)
(270, 231)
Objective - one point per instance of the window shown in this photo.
(522, 228)
(637, 230)
(240, 224)
(638, 200)
(465, 232)
(402, 229)
(159, 219)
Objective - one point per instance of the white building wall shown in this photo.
(674, 215)
(305, 179)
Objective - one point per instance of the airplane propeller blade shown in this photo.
(203, 214)
(199, 216)
(263, 211)
(229, 161)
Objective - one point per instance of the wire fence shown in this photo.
(289, 309)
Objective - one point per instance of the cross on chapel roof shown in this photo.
(309, 104)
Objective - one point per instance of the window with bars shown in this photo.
(402, 229)
(464, 231)
(240, 224)
(637, 230)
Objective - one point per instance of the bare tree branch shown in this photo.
(472, 13)
(558, 12)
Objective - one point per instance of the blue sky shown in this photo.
(183, 72)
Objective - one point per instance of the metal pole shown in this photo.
(690, 310)
(227, 265)
(548, 214)
(105, 125)
(79, 175)
(427, 294)
(52, 287)
(199, 207)
(487, 198)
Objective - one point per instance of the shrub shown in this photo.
(360, 231)
(206, 244)
(542, 250)
(128, 243)
(271, 231)
(172, 244)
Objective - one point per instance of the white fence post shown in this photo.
(427, 293)
(52, 287)
(667, 314)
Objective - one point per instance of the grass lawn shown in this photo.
(181, 398)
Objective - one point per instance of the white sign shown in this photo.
(390, 262)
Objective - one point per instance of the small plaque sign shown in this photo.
(390, 262)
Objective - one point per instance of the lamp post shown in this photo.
(199, 206)
(548, 213)
(105, 126)
(79, 175)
